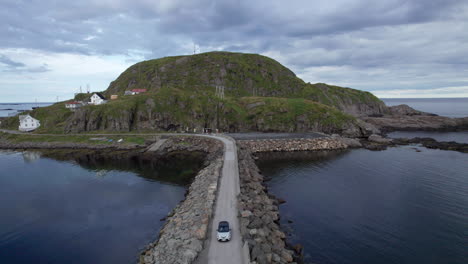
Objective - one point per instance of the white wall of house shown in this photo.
(28, 123)
(96, 100)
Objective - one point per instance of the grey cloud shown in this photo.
(19, 67)
(10, 63)
(355, 36)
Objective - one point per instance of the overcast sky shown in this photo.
(393, 48)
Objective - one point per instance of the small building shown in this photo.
(135, 91)
(97, 99)
(114, 97)
(139, 91)
(73, 105)
(28, 123)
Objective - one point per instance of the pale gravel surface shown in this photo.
(226, 210)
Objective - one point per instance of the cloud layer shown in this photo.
(364, 44)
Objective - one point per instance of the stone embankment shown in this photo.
(186, 228)
(285, 145)
(4, 144)
(259, 215)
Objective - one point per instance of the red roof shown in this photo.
(139, 90)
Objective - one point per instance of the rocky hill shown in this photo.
(241, 75)
(259, 95)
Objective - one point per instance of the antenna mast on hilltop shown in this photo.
(87, 87)
(196, 48)
(81, 90)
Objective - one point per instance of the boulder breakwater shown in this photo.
(186, 228)
(287, 145)
(259, 214)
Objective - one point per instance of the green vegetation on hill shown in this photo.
(260, 95)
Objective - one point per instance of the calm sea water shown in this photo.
(7, 109)
(61, 212)
(451, 107)
(393, 206)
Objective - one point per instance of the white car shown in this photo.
(224, 232)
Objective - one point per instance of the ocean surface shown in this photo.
(7, 109)
(403, 205)
(451, 107)
(85, 211)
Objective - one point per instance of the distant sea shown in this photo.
(7, 109)
(451, 107)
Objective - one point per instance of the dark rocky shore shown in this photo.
(405, 118)
(431, 143)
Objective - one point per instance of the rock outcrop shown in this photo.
(403, 117)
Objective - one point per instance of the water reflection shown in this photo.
(81, 208)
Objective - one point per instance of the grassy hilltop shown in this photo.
(260, 95)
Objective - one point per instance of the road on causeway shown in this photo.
(226, 210)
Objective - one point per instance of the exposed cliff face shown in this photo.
(186, 111)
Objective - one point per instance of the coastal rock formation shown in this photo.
(287, 145)
(379, 139)
(433, 144)
(183, 235)
(259, 216)
(400, 110)
(403, 117)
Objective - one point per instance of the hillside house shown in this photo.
(135, 91)
(28, 123)
(73, 105)
(114, 97)
(97, 99)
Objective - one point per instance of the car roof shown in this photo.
(223, 223)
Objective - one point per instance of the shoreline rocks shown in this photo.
(259, 216)
(287, 145)
(405, 118)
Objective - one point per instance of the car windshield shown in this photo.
(223, 227)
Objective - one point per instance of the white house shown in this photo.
(28, 123)
(73, 105)
(97, 99)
